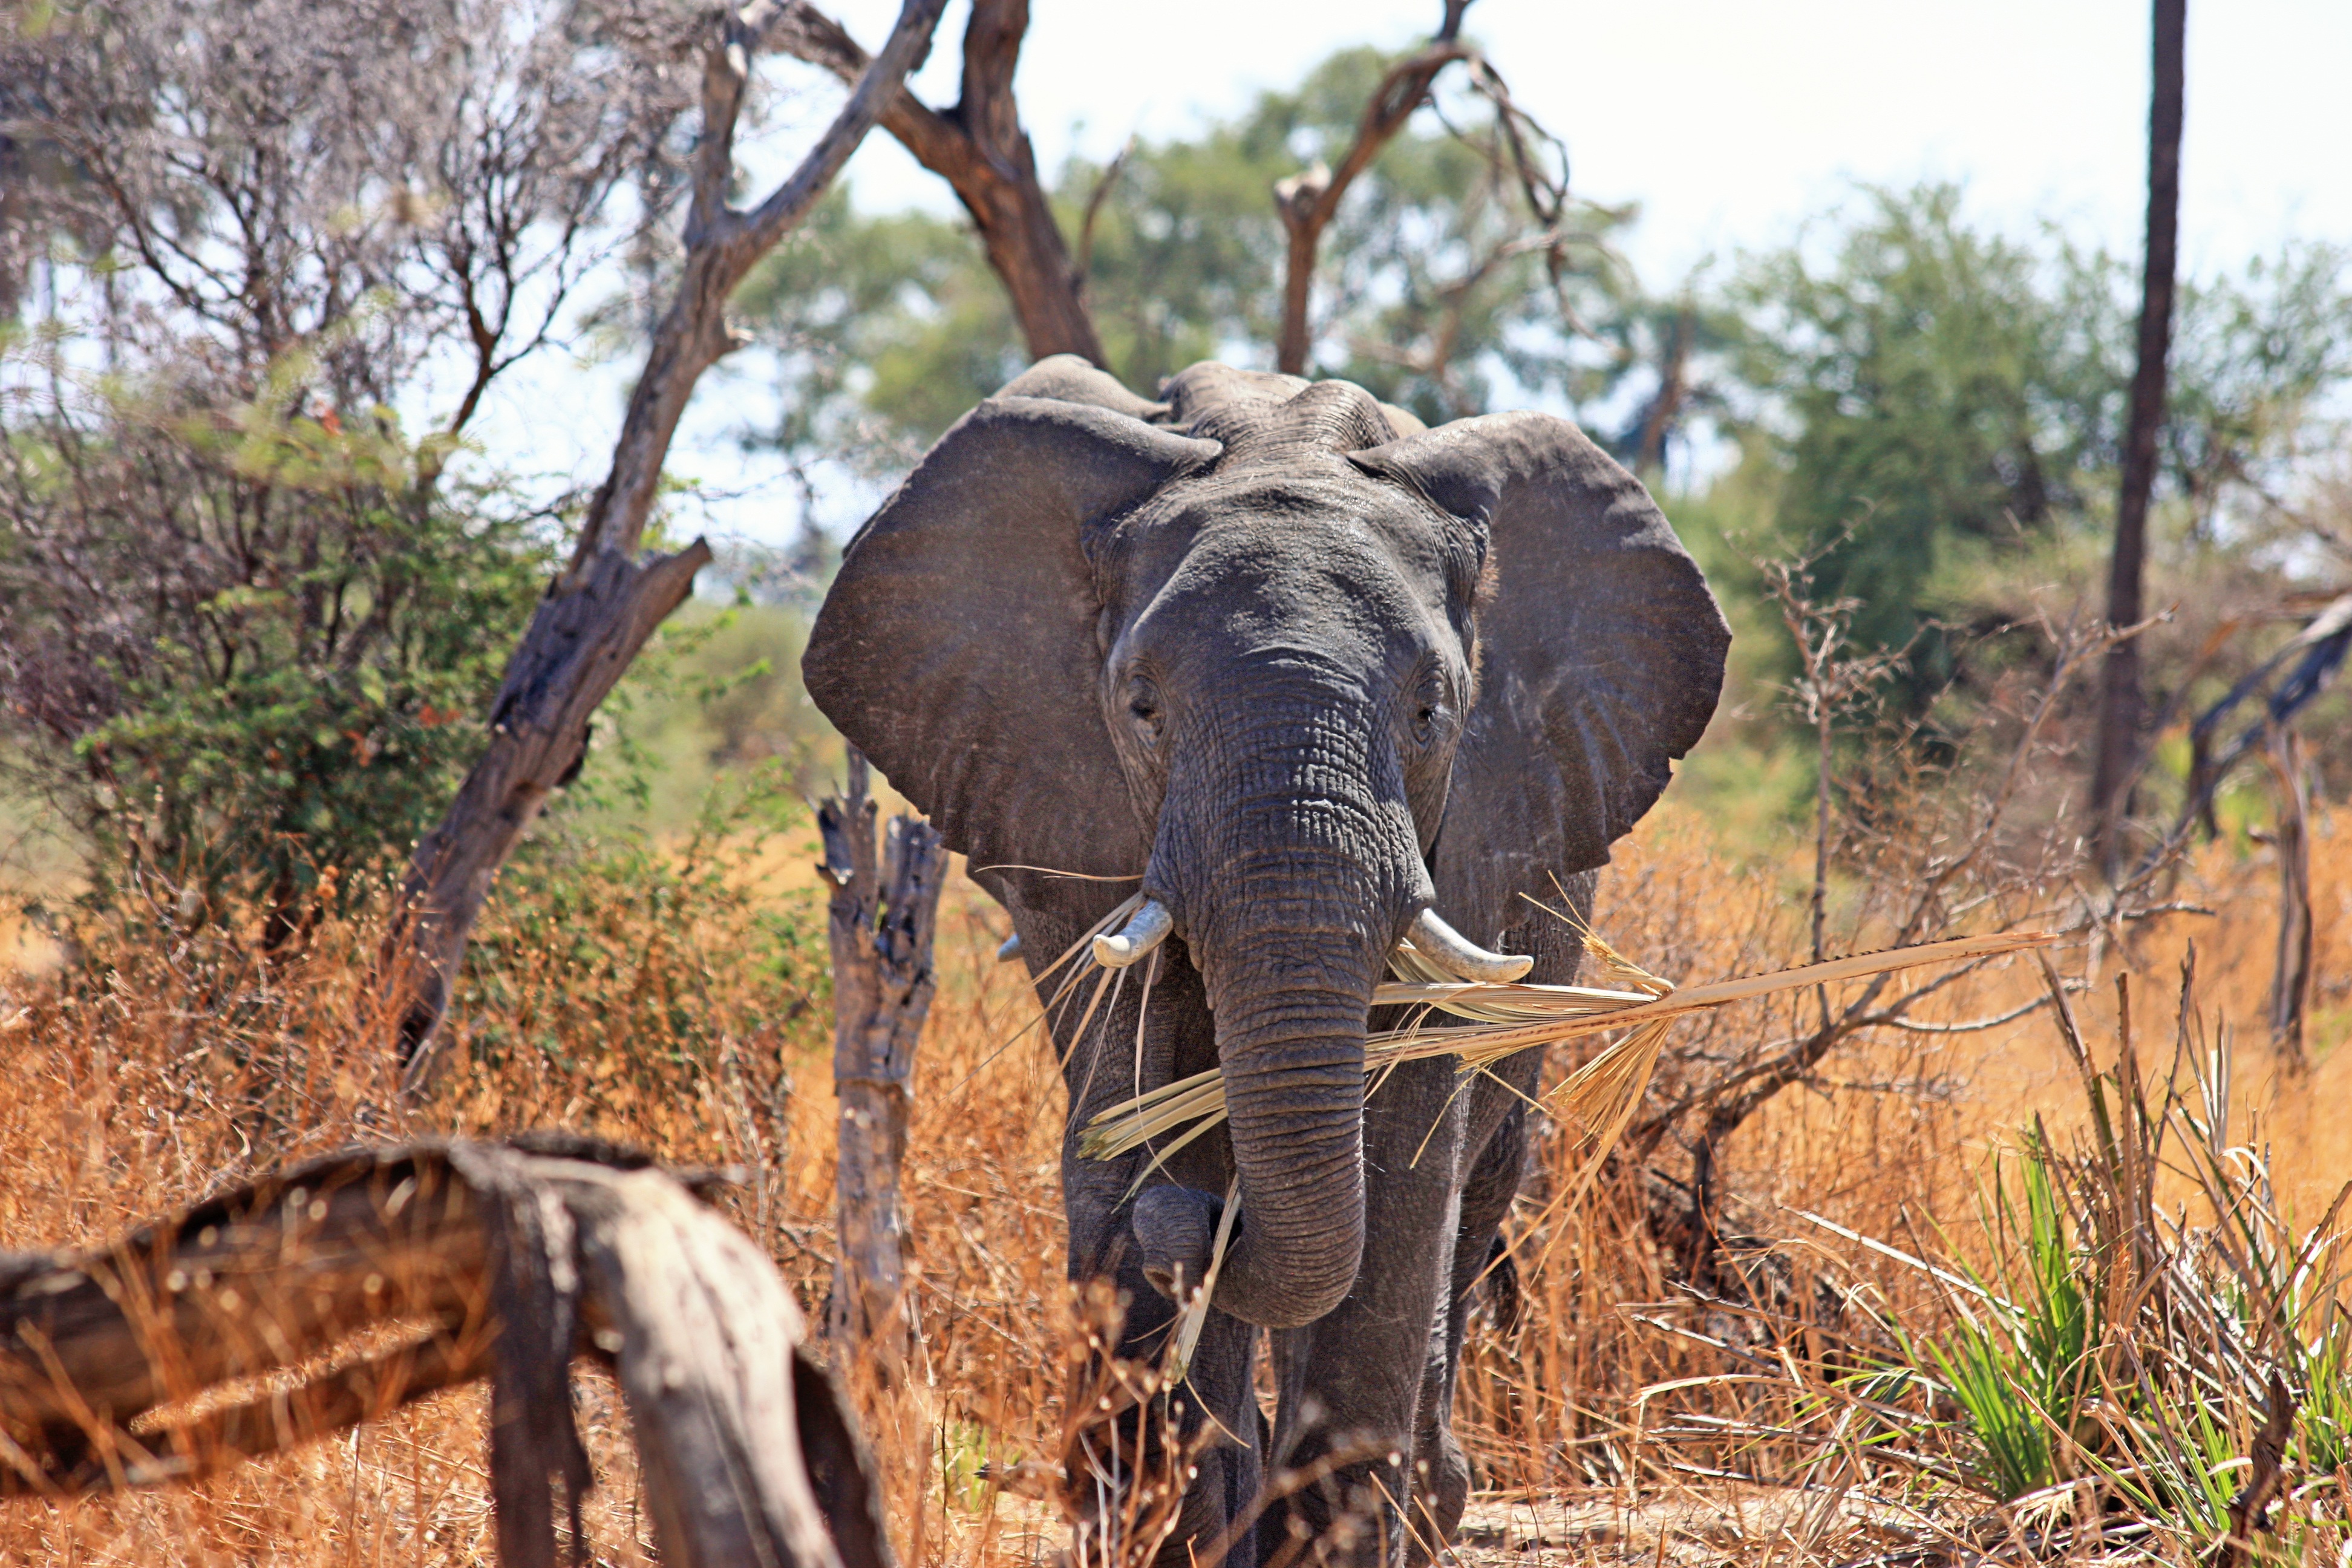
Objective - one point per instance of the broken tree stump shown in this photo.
(307, 1303)
(881, 925)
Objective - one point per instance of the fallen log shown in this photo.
(307, 1303)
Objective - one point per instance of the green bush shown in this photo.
(248, 651)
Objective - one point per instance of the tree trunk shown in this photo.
(600, 612)
(880, 928)
(2119, 697)
(2291, 975)
(979, 149)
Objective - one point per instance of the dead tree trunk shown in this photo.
(1309, 201)
(604, 605)
(505, 1263)
(979, 148)
(2291, 975)
(881, 928)
(2119, 697)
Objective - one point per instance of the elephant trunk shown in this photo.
(1290, 902)
(1290, 1036)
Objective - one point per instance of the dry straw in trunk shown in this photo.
(1503, 1020)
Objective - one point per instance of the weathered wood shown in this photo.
(2291, 976)
(604, 605)
(881, 928)
(514, 1260)
(1308, 202)
(245, 1285)
(979, 149)
(2119, 741)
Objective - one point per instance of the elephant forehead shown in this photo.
(1321, 514)
(1327, 582)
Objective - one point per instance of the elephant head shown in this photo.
(1304, 667)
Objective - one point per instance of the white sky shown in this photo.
(1727, 121)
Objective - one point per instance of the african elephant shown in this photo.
(1316, 674)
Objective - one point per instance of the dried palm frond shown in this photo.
(1505, 1019)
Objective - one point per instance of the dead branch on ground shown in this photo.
(310, 1301)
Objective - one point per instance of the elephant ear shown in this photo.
(1600, 650)
(956, 647)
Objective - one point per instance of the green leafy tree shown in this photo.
(249, 626)
(1927, 383)
(247, 654)
(1926, 396)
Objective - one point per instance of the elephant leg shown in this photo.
(1440, 1470)
(1497, 1138)
(1123, 1053)
(1352, 1382)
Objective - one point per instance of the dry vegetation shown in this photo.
(1630, 1402)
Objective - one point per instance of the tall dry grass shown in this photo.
(681, 1007)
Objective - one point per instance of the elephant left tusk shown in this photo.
(1457, 954)
(1146, 929)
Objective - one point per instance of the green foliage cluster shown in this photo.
(1926, 394)
(615, 960)
(248, 649)
(713, 706)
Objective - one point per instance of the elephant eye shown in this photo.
(1428, 710)
(1143, 707)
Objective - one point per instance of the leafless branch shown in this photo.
(979, 149)
(1308, 202)
(606, 604)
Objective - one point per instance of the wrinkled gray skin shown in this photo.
(1307, 668)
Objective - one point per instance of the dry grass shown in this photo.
(658, 1020)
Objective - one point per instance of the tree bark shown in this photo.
(1308, 202)
(881, 928)
(979, 149)
(2291, 974)
(506, 1263)
(601, 608)
(2119, 697)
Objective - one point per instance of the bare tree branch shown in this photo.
(979, 148)
(606, 605)
(1308, 202)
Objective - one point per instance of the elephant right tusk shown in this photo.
(1146, 929)
(1451, 951)
(1010, 949)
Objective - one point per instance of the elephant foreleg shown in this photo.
(1440, 1470)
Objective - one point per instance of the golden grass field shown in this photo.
(191, 1067)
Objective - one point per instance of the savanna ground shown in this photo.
(1619, 1414)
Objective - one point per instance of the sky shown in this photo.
(1729, 121)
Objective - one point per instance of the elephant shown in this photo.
(1314, 678)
